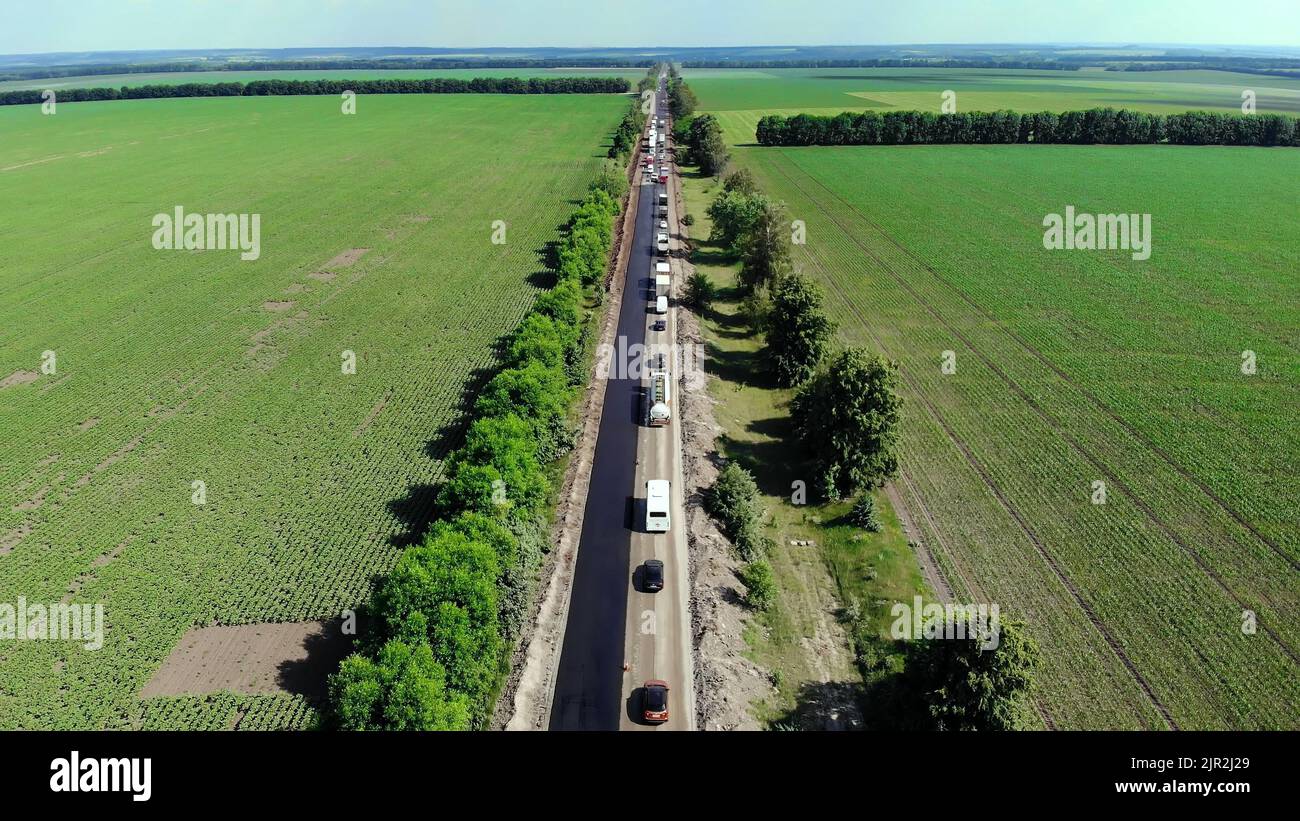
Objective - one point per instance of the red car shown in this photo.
(654, 701)
(663, 177)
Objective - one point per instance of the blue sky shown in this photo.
(97, 25)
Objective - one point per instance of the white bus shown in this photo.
(657, 492)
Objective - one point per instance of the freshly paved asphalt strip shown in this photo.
(589, 679)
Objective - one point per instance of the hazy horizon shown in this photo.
(81, 26)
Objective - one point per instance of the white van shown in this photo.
(657, 493)
(661, 305)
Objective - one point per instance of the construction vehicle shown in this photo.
(658, 411)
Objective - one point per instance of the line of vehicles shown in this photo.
(657, 393)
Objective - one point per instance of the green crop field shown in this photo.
(1075, 367)
(178, 77)
(173, 367)
(739, 97)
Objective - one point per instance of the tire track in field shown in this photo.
(1089, 395)
(947, 592)
(992, 485)
(1036, 541)
(1052, 422)
(1029, 532)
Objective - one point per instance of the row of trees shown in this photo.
(734, 501)
(847, 413)
(1099, 125)
(315, 64)
(885, 62)
(628, 132)
(1289, 73)
(650, 82)
(1182, 62)
(443, 621)
(257, 88)
(681, 100)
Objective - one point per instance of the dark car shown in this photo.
(653, 579)
(654, 701)
(660, 325)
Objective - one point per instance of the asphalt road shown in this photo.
(589, 679)
(658, 624)
(617, 636)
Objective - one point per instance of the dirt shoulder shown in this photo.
(726, 682)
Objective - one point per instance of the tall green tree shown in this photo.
(765, 248)
(798, 332)
(403, 688)
(496, 471)
(733, 214)
(965, 686)
(681, 100)
(847, 417)
(742, 180)
(700, 292)
(540, 397)
(444, 593)
(707, 147)
(711, 154)
(734, 501)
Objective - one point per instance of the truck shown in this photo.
(663, 203)
(658, 400)
(657, 494)
(663, 274)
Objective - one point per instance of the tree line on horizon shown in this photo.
(1106, 126)
(312, 64)
(263, 88)
(887, 62)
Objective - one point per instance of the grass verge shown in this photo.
(836, 581)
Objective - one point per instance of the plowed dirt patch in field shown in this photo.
(294, 657)
(345, 259)
(12, 537)
(19, 378)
